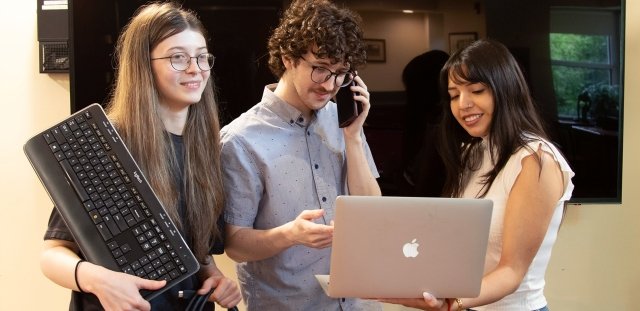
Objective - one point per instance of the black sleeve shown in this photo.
(218, 245)
(57, 229)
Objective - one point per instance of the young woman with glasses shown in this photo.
(164, 108)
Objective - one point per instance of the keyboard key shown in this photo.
(112, 245)
(131, 221)
(95, 216)
(121, 260)
(89, 206)
(104, 231)
(48, 137)
(125, 248)
(57, 134)
(122, 224)
(111, 224)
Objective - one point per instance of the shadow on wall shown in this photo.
(401, 130)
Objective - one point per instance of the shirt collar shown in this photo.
(283, 110)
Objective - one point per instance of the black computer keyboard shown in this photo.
(108, 205)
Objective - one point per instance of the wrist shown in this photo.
(285, 236)
(459, 305)
(75, 275)
(353, 141)
(208, 270)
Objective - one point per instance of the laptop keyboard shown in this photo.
(106, 202)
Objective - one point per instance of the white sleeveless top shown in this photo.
(529, 295)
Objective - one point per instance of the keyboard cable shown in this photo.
(197, 302)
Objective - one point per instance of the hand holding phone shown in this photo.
(348, 108)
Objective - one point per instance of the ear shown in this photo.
(288, 62)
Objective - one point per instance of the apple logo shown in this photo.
(410, 249)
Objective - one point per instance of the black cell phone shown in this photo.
(348, 108)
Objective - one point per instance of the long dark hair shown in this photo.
(490, 63)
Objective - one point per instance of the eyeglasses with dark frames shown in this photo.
(181, 61)
(321, 74)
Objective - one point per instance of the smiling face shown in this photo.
(472, 105)
(179, 89)
(302, 92)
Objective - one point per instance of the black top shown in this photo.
(168, 300)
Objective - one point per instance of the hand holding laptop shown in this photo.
(428, 302)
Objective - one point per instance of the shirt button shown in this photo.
(324, 199)
(308, 133)
(291, 121)
(300, 119)
(343, 299)
(316, 166)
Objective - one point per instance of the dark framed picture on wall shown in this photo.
(458, 40)
(376, 52)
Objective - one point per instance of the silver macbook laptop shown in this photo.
(400, 247)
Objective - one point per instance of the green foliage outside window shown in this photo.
(578, 63)
(580, 48)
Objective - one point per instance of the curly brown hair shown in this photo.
(336, 32)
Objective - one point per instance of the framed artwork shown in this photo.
(376, 52)
(458, 40)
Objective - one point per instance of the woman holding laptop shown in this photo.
(494, 147)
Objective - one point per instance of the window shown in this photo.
(583, 48)
(586, 55)
(578, 63)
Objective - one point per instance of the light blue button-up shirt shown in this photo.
(276, 164)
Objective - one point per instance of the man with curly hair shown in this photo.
(286, 160)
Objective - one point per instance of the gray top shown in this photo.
(277, 164)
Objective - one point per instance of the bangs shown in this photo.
(458, 75)
(461, 73)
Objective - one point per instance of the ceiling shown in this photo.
(395, 5)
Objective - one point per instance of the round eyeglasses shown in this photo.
(181, 61)
(321, 74)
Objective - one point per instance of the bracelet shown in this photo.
(75, 275)
(459, 303)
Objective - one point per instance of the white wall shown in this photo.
(594, 264)
(29, 101)
(409, 35)
(410, 39)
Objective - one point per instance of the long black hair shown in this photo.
(490, 63)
